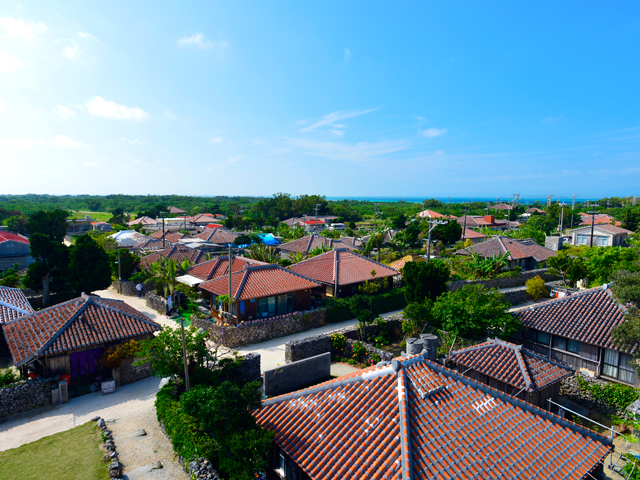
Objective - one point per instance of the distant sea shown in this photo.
(456, 199)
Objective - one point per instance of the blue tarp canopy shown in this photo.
(268, 239)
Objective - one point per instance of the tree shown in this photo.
(319, 250)
(295, 257)
(89, 267)
(365, 311)
(416, 316)
(488, 267)
(626, 286)
(52, 223)
(263, 253)
(128, 263)
(17, 224)
(425, 280)
(474, 312)
(224, 412)
(242, 240)
(630, 218)
(536, 287)
(49, 271)
(448, 233)
(399, 221)
(164, 272)
(571, 268)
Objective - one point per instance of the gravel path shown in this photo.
(139, 453)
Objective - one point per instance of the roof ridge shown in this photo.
(404, 425)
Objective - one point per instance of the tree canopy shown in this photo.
(49, 271)
(425, 280)
(89, 267)
(52, 223)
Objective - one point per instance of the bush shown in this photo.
(8, 377)
(536, 288)
(614, 395)
(113, 357)
(358, 351)
(339, 309)
(338, 342)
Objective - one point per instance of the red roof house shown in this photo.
(176, 210)
(219, 236)
(523, 253)
(261, 291)
(13, 304)
(220, 266)
(342, 271)
(68, 338)
(512, 369)
(307, 243)
(414, 419)
(178, 253)
(501, 206)
(430, 214)
(576, 330)
(14, 248)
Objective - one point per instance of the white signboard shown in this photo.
(108, 386)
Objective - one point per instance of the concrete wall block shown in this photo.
(293, 376)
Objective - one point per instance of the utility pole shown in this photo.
(375, 215)
(593, 220)
(163, 239)
(562, 219)
(184, 355)
(433, 224)
(464, 227)
(119, 269)
(316, 221)
(230, 289)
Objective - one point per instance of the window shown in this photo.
(573, 346)
(567, 344)
(530, 334)
(290, 297)
(602, 241)
(618, 365)
(263, 307)
(581, 239)
(543, 337)
(272, 305)
(560, 343)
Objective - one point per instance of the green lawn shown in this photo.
(95, 216)
(72, 455)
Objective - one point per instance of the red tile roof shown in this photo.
(518, 249)
(80, 323)
(511, 364)
(501, 206)
(259, 281)
(601, 218)
(305, 244)
(151, 246)
(220, 266)
(213, 225)
(470, 233)
(341, 266)
(202, 218)
(312, 222)
(534, 209)
(220, 236)
(480, 221)
(175, 210)
(13, 304)
(430, 214)
(143, 221)
(8, 236)
(587, 317)
(172, 237)
(415, 419)
(400, 263)
(177, 253)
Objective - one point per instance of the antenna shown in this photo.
(549, 200)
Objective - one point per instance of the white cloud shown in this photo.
(168, 115)
(438, 152)
(216, 140)
(100, 107)
(134, 141)
(432, 132)
(86, 35)
(16, 142)
(64, 141)
(20, 29)
(64, 112)
(199, 40)
(347, 55)
(231, 159)
(338, 133)
(8, 64)
(343, 151)
(72, 51)
(336, 117)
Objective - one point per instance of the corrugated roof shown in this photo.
(14, 237)
(418, 420)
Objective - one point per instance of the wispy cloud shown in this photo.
(231, 159)
(129, 141)
(86, 35)
(347, 55)
(20, 29)
(64, 112)
(198, 40)
(91, 164)
(338, 133)
(216, 140)
(71, 51)
(102, 108)
(344, 151)
(8, 64)
(553, 119)
(64, 141)
(337, 117)
(432, 132)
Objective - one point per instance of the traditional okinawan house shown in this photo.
(175, 210)
(341, 271)
(13, 304)
(216, 268)
(576, 330)
(474, 236)
(431, 214)
(171, 237)
(400, 263)
(414, 419)
(218, 236)
(68, 338)
(260, 291)
(177, 253)
(146, 222)
(501, 206)
(308, 243)
(512, 369)
(522, 253)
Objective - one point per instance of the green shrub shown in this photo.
(8, 376)
(536, 288)
(358, 351)
(338, 342)
(614, 395)
(375, 358)
(339, 309)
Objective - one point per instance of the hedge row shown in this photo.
(189, 442)
(339, 309)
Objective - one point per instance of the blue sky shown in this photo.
(336, 98)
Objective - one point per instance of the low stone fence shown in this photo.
(22, 397)
(125, 287)
(249, 369)
(257, 331)
(570, 388)
(317, 344)
(156, 302)
(506, 282)
(130, 373)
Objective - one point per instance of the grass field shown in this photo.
(95, 216)
(72, 455)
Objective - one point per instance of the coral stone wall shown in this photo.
(22, 397)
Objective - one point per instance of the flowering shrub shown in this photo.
(114, 356)
(338, 341)
(358, 350)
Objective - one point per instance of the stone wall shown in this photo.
(507, 282)
(257, 331)
(317, 344)
(22, 397)
(249, 369)
(156, 302)
(570, 389)
(130, 373)
(126, 287)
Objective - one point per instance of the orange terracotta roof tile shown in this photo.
(177, 253)
(220, 266)
(13, 304)
(518, 249)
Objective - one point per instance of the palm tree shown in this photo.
(376, 240)
(295, 257)
(319, 251)
(262, 253)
